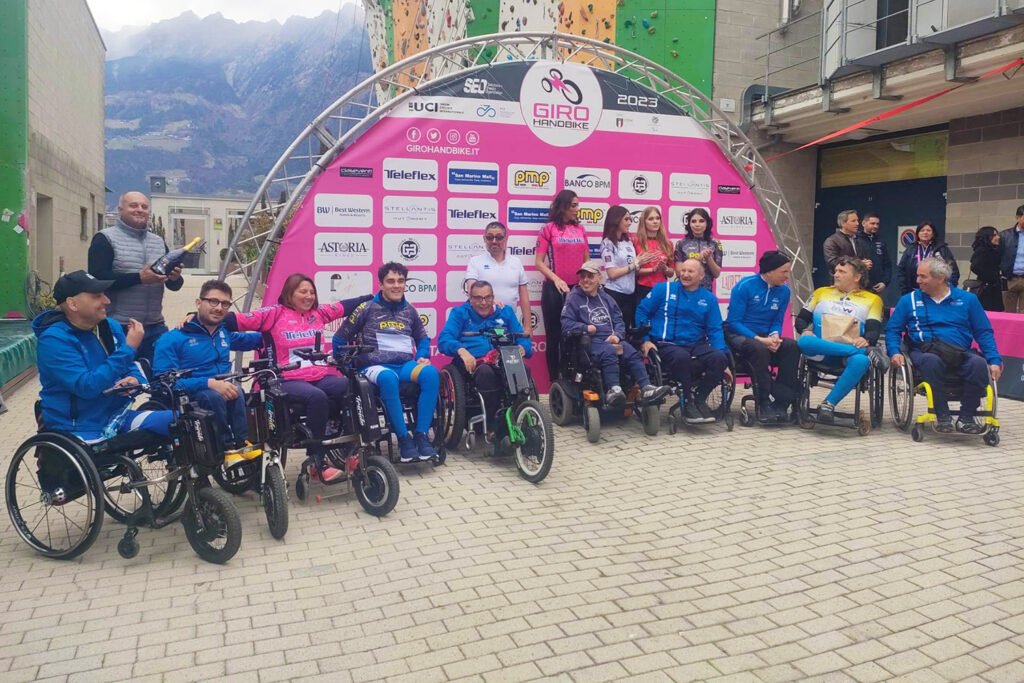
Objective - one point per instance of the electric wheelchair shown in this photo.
(906, 383)
(522, 419)
(580, 391)
(812, 373)
(58, 485)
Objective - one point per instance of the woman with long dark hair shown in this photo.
(621, 262)
(985, 264)
(561, 250)
(698, 244)
(927, 244)
(651, 238)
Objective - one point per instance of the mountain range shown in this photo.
(211, 103)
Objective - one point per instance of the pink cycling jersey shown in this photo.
(566, 248)
(290, 330)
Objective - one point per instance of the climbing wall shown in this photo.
(678, 34)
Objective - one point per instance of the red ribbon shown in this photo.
(899, 110)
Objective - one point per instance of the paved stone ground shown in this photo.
(755, 555)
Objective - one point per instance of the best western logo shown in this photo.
(342, 210)
(410, 174)
(588, 182)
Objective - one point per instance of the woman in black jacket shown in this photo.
(927, 244)
(985, 264)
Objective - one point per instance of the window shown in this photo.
(83, 230)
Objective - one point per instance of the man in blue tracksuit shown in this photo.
(401, 355)
(473, 354)
(686, 328)
(753, 327)
(82, 354)
(592, 311)
(204, 345)
(940, 323)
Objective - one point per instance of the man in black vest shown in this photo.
(125, 254)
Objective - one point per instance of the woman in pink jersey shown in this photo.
(293, 324)
(561, 250)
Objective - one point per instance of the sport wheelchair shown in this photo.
(905, 383)
(720, 400)
(812, 373)
(580, 391)
(526, 422)
(56, 482)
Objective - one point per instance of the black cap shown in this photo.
(73, 284)
(770, 260)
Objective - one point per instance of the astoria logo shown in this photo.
(342, 248)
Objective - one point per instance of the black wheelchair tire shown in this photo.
(220, 517)
(112, 500)
(546, 441)
(652, 420)
(275, 502)
(453, 401)
(561, 404)
(592, 420)
(376, 486)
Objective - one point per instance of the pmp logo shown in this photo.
(409, 249)
(640, 184)
(561, 102)
(425, 319)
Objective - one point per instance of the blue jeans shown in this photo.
(973, 372)
(389, 379)
(609, 361)
(836, 354)
(230, 416)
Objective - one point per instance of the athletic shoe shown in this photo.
(692, 414)
(767, 413)
(878, 358)
(615, 397)
(423, 446)
(236, 456)
(331, 474)
(968, 426)
(706, 414)
(826, 413)
(652, 393)
(781, 411)
(407, 451)
(944, 424)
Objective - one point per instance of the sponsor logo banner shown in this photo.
(428, 316)
(461, 248)
(417, 175)
(332, 286)
(728, 189)
(409, 213)
(471, 214)
(443, 106)
(472, 176)
(639, 184)
(534, 285)
(342, 249)
(561, 102)
(527, 215)
(591, 216)
(588, 182)
(727, 280)
(455, 286)
(415, 250)
(342, 210)
(355, 172)
(739, 253)
(523, 247)
(421, 286)
(741, 222)
(677, 217)
(536, 317)
(531, 179)
(689, 187)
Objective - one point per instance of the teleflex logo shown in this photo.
(471, 214)
(561, 102)
(410, 174)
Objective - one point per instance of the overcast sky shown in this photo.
(112, 15)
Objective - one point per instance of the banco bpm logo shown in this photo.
(409, 249)
(561, 102)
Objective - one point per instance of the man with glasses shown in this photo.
(503, 271)
(204, 345)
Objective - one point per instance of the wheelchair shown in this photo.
(812, 373)
(905, 384)
(527, 423)
(58, 485)
(720, 400)
(580, 391)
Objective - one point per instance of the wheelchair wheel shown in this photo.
(876, 394)
(240, 478)
(654, 372)
(275, 502)
(53, 495)
(121, 505)
(917, 433)
(221, 535)
(561, 404)
(863, 423)
(452, 397)
(167, 497)
(991, 438)
(652, 420)
(534, 458)
(592, 422)
(376, 486)
(901, 396)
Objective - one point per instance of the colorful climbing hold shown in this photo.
(651, 30)
(646, 23)
(675, 54)
(654, 14)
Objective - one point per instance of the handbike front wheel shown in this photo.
(537, 452)
(275, 502)
(376, 486)
(221, 533)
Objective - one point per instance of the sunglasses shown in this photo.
(218, 303)
(494, 238)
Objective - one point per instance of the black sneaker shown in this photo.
(968, 426)
(707, 415)
(615, 397)
(826, 413)
(944, 424)
(652, 393)
(781, 411)
(767, 413)
(692, 414)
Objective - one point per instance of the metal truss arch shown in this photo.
(255, 241)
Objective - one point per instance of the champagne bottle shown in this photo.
(174, 258)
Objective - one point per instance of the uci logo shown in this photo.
(423, 106)
(409, 249)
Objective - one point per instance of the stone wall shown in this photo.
(985, 167)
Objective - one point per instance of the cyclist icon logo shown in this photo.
(486, 111)
(568, 88)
